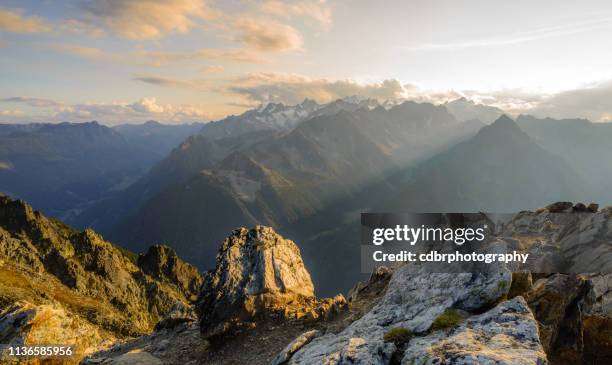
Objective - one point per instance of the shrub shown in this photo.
(398, 336)
(449, 319)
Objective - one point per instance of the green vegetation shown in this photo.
(398, 336)
(502, 285)
(449, 319)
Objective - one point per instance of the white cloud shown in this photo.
(15, 22)
(317, 10)
(266, 36)
(147, 19)
(109, 113)
(593, 102)
(236, 55)
(293, 88)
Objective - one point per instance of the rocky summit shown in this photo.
(63, 286)
(258, 274)
(258, 305)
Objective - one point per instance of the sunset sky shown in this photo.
(119, 61)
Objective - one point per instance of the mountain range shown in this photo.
(62, 168)
(308, 170)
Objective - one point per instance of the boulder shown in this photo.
(24, 323)
(559, 207)
(506, 334)
(258, 273)
(593, 208)
(179, 313)
(162, 263)
(413, 300)
(579, 207)
(293, 346)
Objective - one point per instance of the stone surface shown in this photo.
(162, 263)
(506, 334)
(86, 274)
(258, 273)
(293, 346)
(412, 301)
(24, 323)
(179, 313)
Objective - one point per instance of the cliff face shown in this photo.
(48, 267)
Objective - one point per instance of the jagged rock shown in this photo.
(24, 323)
(579, 207)
(375, 285)
(506, 334)
(412, 300)
(179, 313)
(593, 208)
(258, 273)
(559, 207)
(570, 243)
(162, 263)
(574, 326)
(556, 302)
(48, 262)
(293, 346)
(522, 282)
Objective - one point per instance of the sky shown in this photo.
(176, 61)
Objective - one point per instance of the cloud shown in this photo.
(172, 82)
(88, 52)
(33, 102)
(13, 21)
(212, 69)
(266, 36)
(317, 10)
(236, 55)
(109, 113)
(293, 88)
(147, 19)
(120, 112)
(593, 102)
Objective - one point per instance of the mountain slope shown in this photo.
(501, 169)
(45, 262)
(60, 168)
(583, 144)
(156, 138)
(287, 177)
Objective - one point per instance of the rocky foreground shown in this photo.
(258, 305)
(62, 286)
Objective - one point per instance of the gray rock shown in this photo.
(507, 334)
(559, 207)
(179, 313)
(257, 272)
(294, 346)
(413, 300)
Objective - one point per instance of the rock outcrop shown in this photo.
(80, 277)
(507, 334)
(50, 324)
(259, 274)
(413, 300)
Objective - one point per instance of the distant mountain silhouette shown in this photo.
(501, 169)
(63, 168)
(583, 144)
(282, 178)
